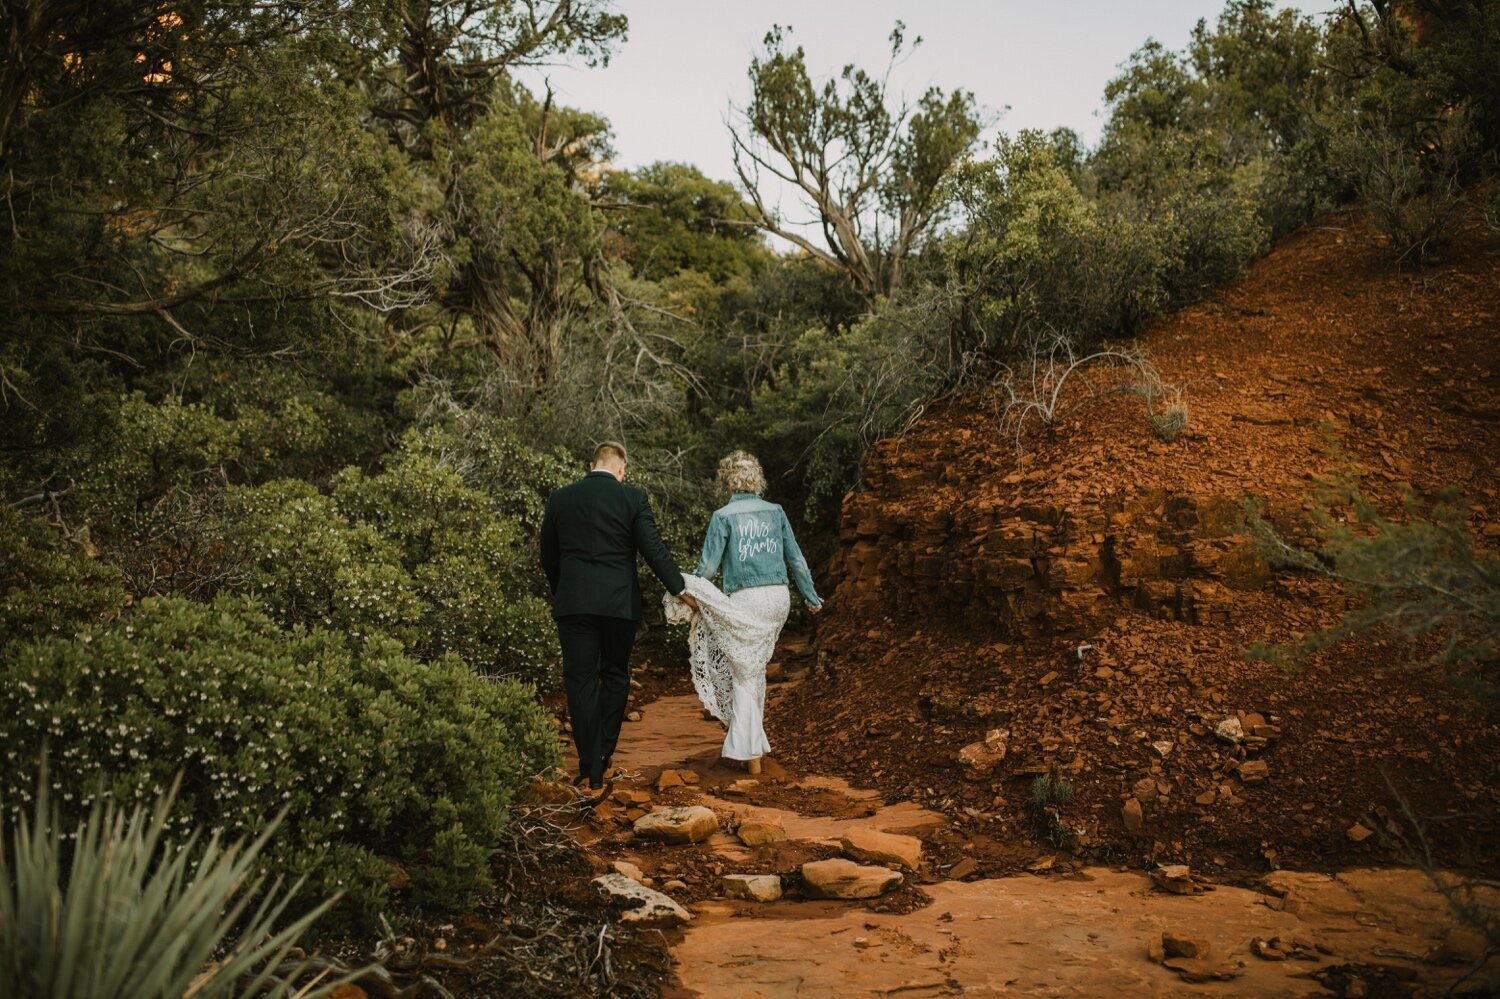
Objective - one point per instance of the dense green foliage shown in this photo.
(412, 553)
(371, 752)
(309, 305)
(113, 907)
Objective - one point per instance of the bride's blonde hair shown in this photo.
(740, 472)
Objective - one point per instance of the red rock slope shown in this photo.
(970, 576)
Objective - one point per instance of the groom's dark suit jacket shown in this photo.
(591, 533)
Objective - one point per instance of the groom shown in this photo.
(591, 533)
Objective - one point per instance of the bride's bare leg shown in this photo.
(753, 766)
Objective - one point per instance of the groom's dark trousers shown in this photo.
(591, 533)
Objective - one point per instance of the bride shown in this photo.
(734, 630)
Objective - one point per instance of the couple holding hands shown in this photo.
(591, 533)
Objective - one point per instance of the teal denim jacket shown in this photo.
(752, 541)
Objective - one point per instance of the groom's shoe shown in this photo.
(595, 795)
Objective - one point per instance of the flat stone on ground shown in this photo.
(757, 830)
(963, 868)
(1177, 879)
(753, 887)
(669, 778)
(644, 906)
(682, 824)
(981, 758)
(839, 878)
(875, 847)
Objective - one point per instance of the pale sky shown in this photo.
(667, 90)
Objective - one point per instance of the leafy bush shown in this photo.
(117, 909)
(154, 446)
(836, 393)
(1416, 126)
(308, 564)
(235, 426)
(1232, 110)
(372, 753)
(471, 566)
(411, 553)
(1041, 250)
(490, 455)
(47, 585)
(1204, 213)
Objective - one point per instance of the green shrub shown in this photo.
(473, 568)
(490, 455)
(47, 585)
(1041, 253)
(836, 394)
(1205, 213)
(372, 753)
(240, 428)
(308, 564)
(411, 553)
(117, 909)
(152, 447)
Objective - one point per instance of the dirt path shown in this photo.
(1077, 933)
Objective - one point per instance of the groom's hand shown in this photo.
(688, 599)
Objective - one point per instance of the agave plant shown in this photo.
(117, 910)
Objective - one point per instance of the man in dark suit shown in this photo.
(591, 533)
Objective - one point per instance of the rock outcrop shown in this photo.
(1021, 561)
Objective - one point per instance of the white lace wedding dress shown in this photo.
(729, 643)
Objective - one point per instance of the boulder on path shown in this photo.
(754, 887)
(839, 878)
(682, 824)
(1193, 971)
(643, 906)
(757, 830)
(875, 847)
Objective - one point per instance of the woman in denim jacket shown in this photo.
(734, 630)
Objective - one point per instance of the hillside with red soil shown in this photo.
(1085, 605)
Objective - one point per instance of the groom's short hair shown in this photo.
(607, 451)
